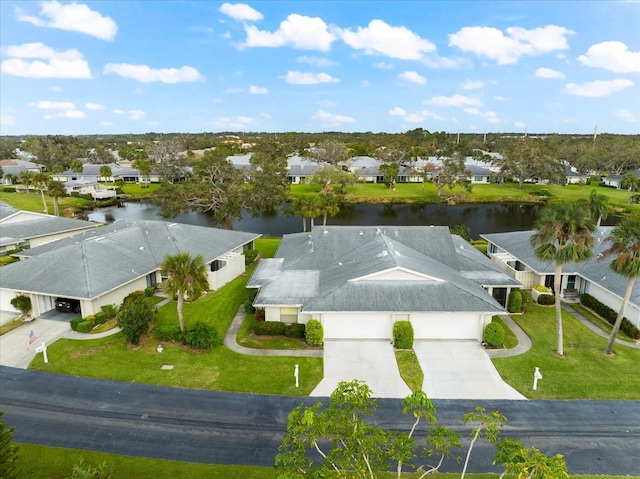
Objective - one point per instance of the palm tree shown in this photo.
(40, 181)
(56, 189)
(105, 172)
(625, 246)
(187, 276)
(599, 206)
(563, 235)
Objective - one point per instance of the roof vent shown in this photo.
(325, 232)
(361, 233)
(141, 248)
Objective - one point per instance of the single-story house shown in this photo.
(575, 178)
(102, 266)
(616, 180)
(514, 253)
(97, 191)
(25, 229)
(13, 168)
(358, 281)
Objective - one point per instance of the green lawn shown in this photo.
(584, 373)
(410, 369)
(33, 202)
(42, 462)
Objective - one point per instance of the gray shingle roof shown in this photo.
(47, 225)
(335, 269)
(88, 265)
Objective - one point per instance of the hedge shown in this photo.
(514, 304)
(314, 332)
(546, 299)
(74, 323)
(609, 315)
(84, 326)
(294, 330)
(402, 335)
(269, 328)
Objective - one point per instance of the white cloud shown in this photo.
(472, 85)
(499, 98)
(627, 115)
(612, 56)
(266, 115)
(329, 119)
(94, 106)
(75, 17)
(507, 49)
(53, 105)
(490, 116)
(117, 111)
(302, 78)
(397, 111)
(455, 100)
(240, 11)
(549, 73)
(106, 123)
(297, 31)
(316, 61)
(136, 115)
(73, 114)
(49, 63)
(519, 124)
(416, 117)
(237, 123)
(234, 90)
(145, 74)
(599, 87)
(413, 77)
(380, 38)
(258, 90)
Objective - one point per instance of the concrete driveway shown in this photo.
(460, 370)
(15, 350)
(371, 361)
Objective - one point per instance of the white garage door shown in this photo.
(358, 326)
(447, 326)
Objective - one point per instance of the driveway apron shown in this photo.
(15, 350)
(460, 370)
(371, 361)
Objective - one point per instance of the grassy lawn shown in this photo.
(134, 190)
(42, 462)
(598, 321)
(249, 340)
(11, 325)
(410, 369)
(33, 202)
(584, 373)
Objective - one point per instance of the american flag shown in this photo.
(32, 337)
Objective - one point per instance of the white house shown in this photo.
(102, 266)
(358, 281)
(514, 253)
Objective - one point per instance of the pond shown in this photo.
(479, 218)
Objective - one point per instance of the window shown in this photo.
(571, 281)
(217, 265)
(493, 248)
(478, 179)
(519, 266)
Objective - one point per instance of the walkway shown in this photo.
(567, 307)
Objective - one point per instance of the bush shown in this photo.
(135, 318)
(250, 256)
(248, 307)
(150, 291)
(22, 303)
(493, 334)
(133, 296)
(91, 318)
(169, 333)
(546, 299)
(403, 335)
(542, 288)
(314, 332)
(294, 330)
(74, 323)
(84, 326)
(269, 328)
(9, 189)
(609, 315)
(202, 336)
(7, 260)
(514, 304)
(259, 314)
(101, 318)
(109, 310)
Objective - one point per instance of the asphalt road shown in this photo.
(596, 437)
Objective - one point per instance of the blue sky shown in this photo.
(311, 66)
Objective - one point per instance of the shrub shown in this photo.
(250, 256)
(9, 189)
(74, 323)
(403, 335)
(202, 336)
(135, 318)
(22, 303)
(169, 333)
(546, 299)
(133, 296)
(609, 315)
(91, 318)
(7, 260)
(493, 334)
(542, 288)
(269, 328)
(84, 326)
(294, 330)
(101, 318)
(109, 310)
(248, 307)
(314, 332)
(150, 291)
(514, 304)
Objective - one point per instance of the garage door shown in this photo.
(449, 326)
(357, 326)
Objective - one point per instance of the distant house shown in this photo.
(299, 169)
(97, 191)
(514, 253)
(358, 281)
(575, 178)
(616, 180)
(91, 174)
(25, 229)
(15, 167)
(102, 266)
